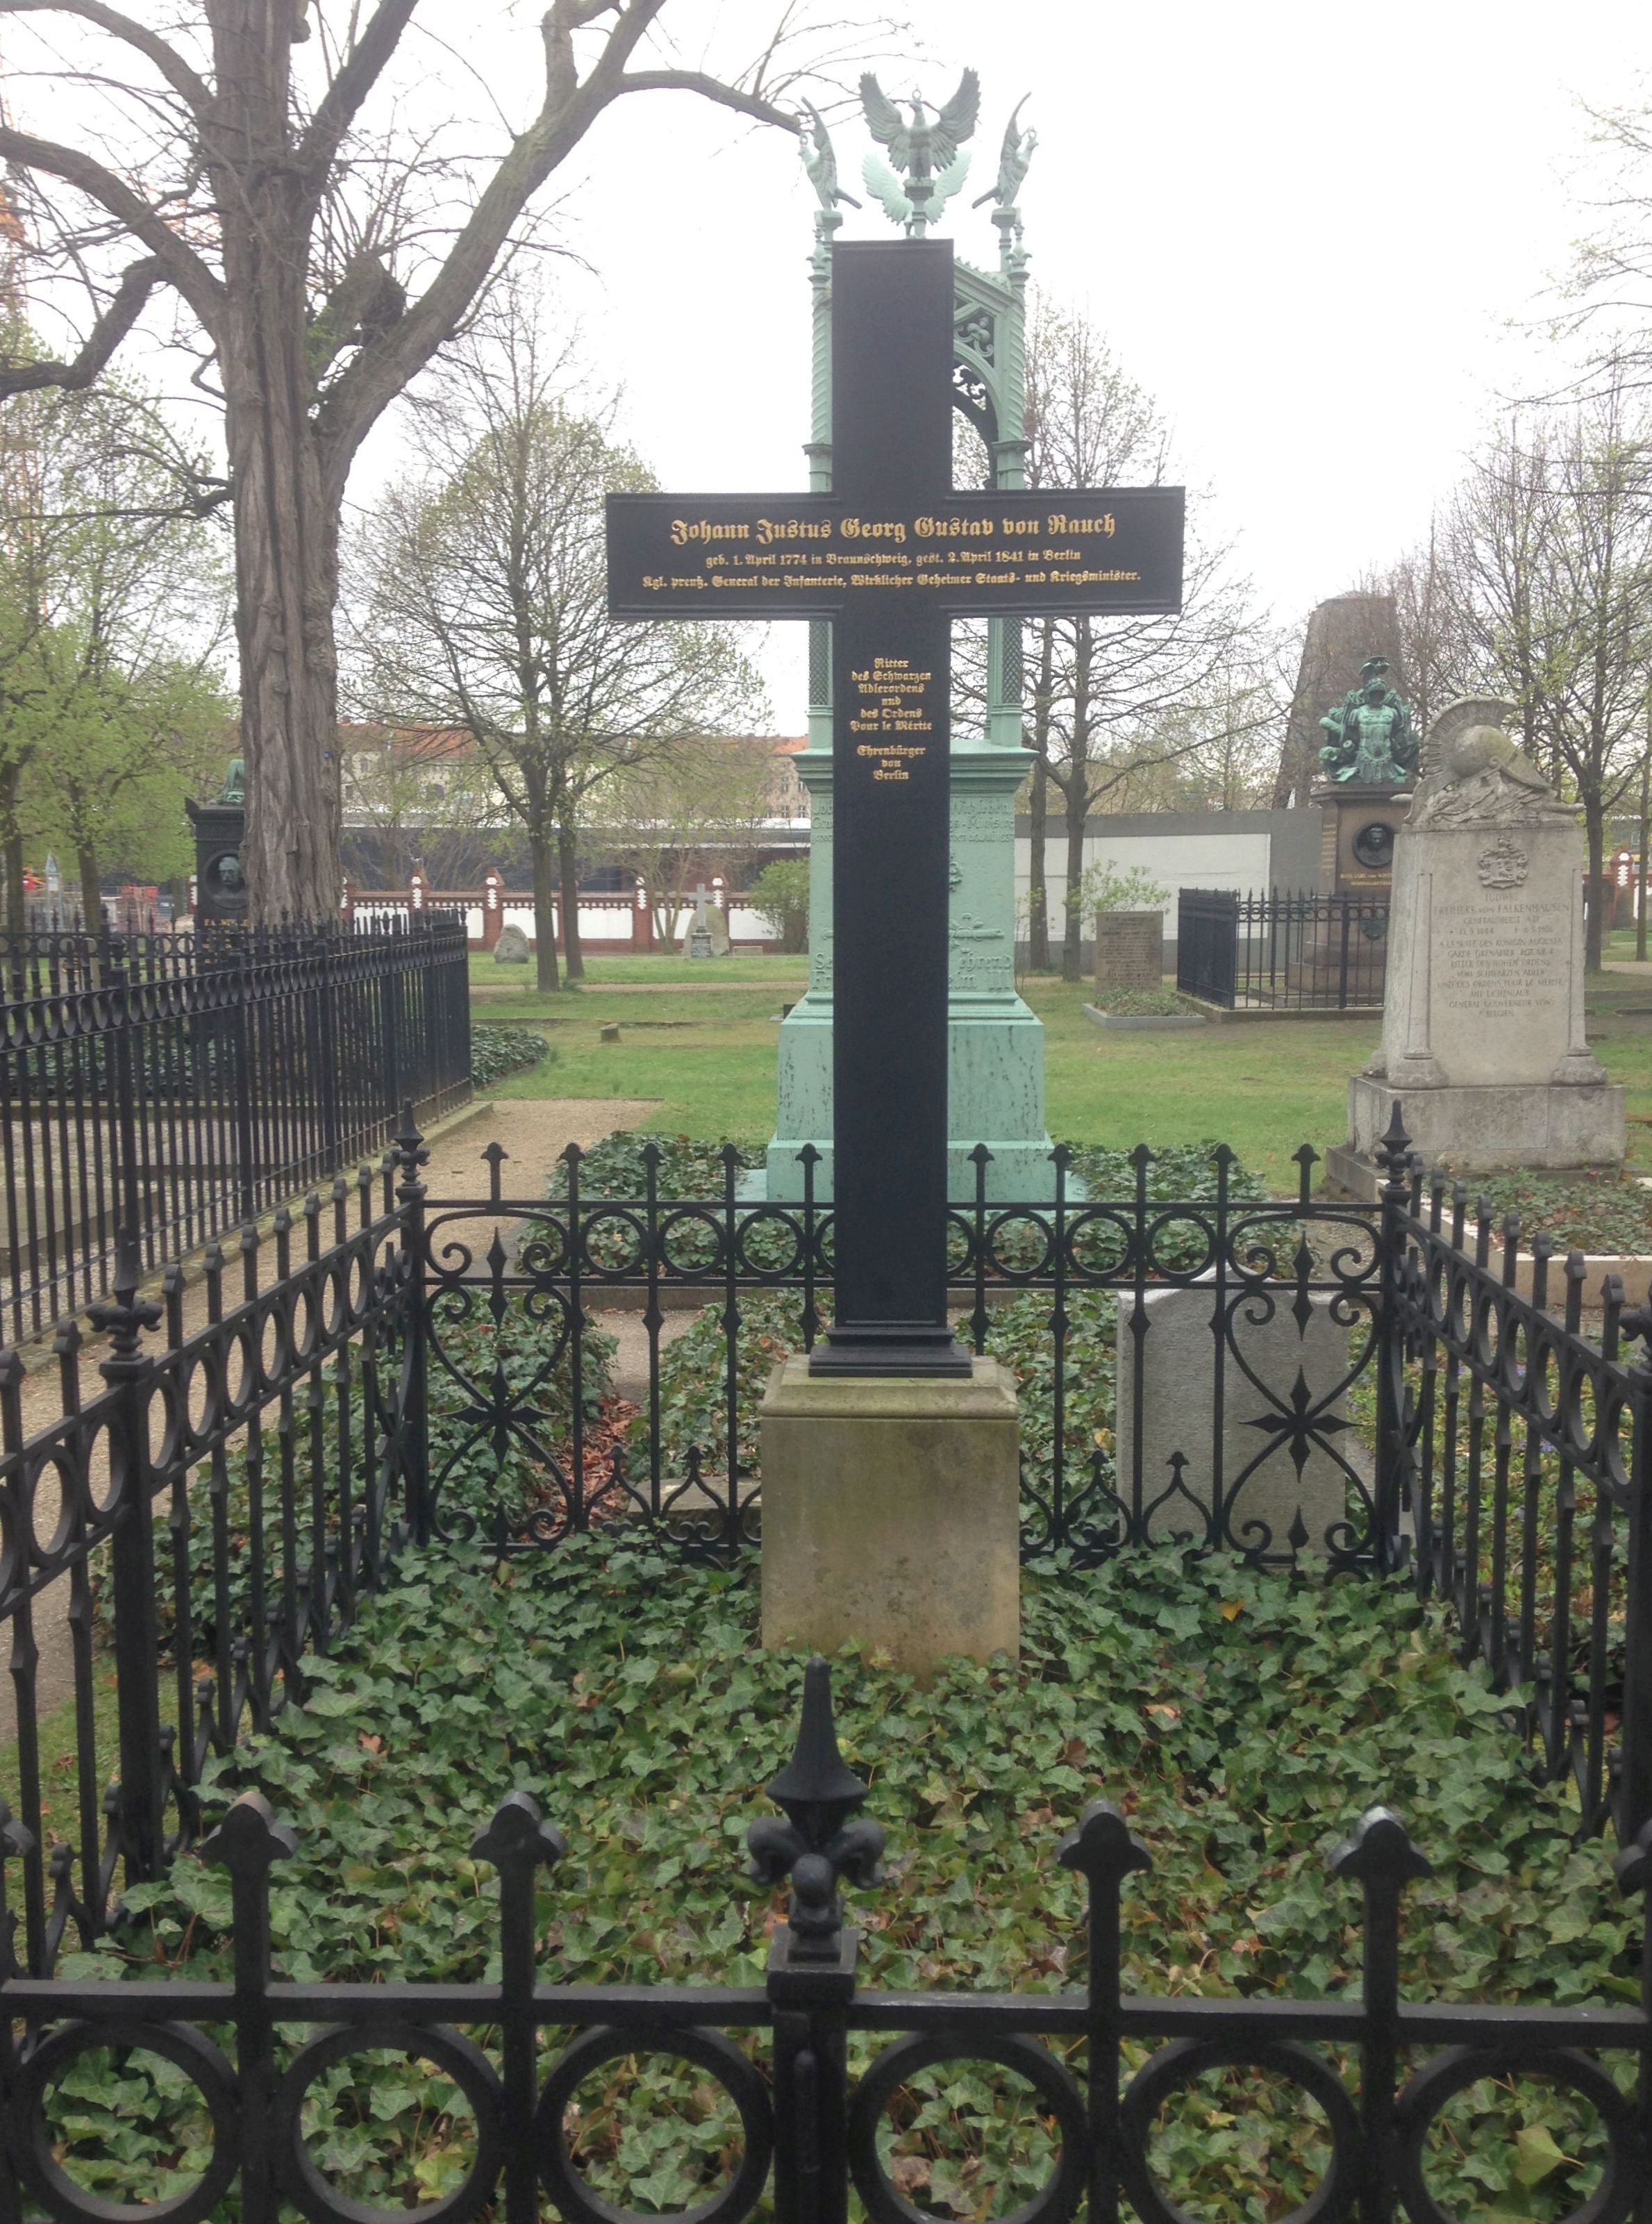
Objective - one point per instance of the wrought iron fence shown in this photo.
(1284, 1378)
(1284, 951)
(1525, 1456)
(418, 1367)
(219, 1505)
(812, 2124)
(177, 1086)
(1229, 1331)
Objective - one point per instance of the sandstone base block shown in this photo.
(1481, 1129)
(891, 1514)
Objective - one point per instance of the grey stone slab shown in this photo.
(1483, 1044)
(1129, 950)
(511, 949)
(1281, 1389)
(1144, 1022)
(1478, 1129)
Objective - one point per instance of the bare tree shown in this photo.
(683, 814)
(1108, 695)
(1437, 660)
(1606, 298)
(1546, 556)
(316, 260)
(1214, 753)
(482, 598)
(425, 794)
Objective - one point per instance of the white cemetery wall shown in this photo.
(1248, 850)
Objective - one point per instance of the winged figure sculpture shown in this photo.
(1015, 158)
(819, 161)
(928, 149)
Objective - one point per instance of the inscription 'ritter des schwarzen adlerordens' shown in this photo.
(889, 556)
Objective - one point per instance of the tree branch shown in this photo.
(384, 367)
(356, 79)
(118, 319)
(171, 65)
(182, 266)
(709, 88)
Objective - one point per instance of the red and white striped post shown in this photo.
(492, 908)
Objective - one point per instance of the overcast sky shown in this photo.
(1305, 227)
(1320, 235)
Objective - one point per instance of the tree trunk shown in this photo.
(1072, 949)
(567, 866)
(286, 577)
(11, 848)
(1038, 886)
(1076, 794)
(1594, 832)
(92, 892)
(287, 494)
(1646, 840)
(544, 929)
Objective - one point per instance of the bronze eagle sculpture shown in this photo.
(927, 150)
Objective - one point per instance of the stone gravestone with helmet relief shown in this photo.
(1483, 1023)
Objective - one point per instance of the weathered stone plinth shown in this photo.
(1284, 1405)
(1478, 1127)
(891, 1514)
(1360, 825)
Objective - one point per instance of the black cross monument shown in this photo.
(891, 556)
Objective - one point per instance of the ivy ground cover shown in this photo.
(1243, 1720)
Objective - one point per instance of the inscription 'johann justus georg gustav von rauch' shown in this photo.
(766, 531)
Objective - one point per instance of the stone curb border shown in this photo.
(1145, 1022)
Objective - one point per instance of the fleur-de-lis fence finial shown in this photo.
(816, 1845)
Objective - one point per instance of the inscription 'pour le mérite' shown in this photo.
(890, 700)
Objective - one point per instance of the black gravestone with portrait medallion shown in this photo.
(220, 875)
(889, 556)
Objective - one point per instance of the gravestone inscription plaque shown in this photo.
(889, 556)
(1484, 1042)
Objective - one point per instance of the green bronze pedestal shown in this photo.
(995, 1079)
(995, 1075)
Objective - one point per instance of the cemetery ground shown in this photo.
(1242, 1720)
(697, 1042)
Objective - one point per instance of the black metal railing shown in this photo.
(1523, 1452)
(1286, 1378)
(176, 1086)
(417, 1368)
(220, 1504)
(1380, 2071)
(1232, 1330)
(1282, 951)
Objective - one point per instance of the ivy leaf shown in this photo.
(1538, 2155)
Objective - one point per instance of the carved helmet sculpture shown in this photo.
(1468, 738)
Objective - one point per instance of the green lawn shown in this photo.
(708, 1056)
(738, 965)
